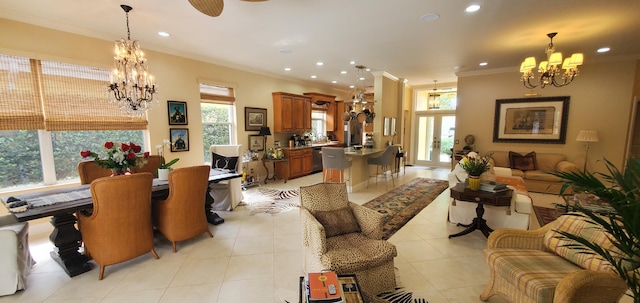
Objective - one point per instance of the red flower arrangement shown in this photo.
(120, 158)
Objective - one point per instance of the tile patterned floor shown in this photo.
(258, 258)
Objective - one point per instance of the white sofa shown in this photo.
(515, 216)
(227, 194)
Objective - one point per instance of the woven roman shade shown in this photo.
(20, 107)
(215, 93)
(75, 98)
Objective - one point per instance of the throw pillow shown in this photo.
(337, 222)
(526, 162)
(221, 162)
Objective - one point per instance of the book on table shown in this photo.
(493, 186)
(323, 287)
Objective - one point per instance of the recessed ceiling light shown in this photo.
(288, 69)
(319, 63)
(285, 51)
(429, 17)
(313, 77)
(472, 8)
(164, 34)
(352, 62)
(352, 86)
(483, 63)
(334, 81)
(362, 78)
(603, 49)
(458, 66)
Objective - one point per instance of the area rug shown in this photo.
(271, 201)
(404, 202)
(546, 215)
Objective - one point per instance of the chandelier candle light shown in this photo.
(132, 87)
(550, 70)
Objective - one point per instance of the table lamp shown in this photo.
(265, 131)
(587, 136)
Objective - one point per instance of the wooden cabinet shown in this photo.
(300, 163)
(292, 113)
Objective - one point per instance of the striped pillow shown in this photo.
(579, 226)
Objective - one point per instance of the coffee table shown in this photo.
(463, 193)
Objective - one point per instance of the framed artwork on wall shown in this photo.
(386, 127)
(256, 142)
(177, 112)
(531, 120)
(179, 138)
(254, 118)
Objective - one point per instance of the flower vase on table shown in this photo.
(474, 182)
(120, 158)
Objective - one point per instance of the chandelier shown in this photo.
(358, 89)
(551, 70)
(131, 87)
(433, 102)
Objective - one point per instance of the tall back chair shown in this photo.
(334, 159)
(181, 216)
(226, 194)
(89, 171)
(119, 228)
(153, 162)
(345, 237)
(385, 162)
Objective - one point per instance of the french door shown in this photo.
(434, 139)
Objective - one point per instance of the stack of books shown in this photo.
(323, 287)
(493, 186)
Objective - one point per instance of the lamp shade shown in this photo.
(587, 136)
(265, 131)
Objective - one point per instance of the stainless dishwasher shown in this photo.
(317, 160)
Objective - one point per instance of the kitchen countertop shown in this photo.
(313, 145)
(350, 151)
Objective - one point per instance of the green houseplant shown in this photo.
(165, 168)
(168, 164)
(622, 191)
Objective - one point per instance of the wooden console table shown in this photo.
(462, 193)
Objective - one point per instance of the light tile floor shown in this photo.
(258, 258)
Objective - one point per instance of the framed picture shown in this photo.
(177, 112)
(393, 127)
(179, 138)
(531, 120)
(256, 142)
(386, 127)
(254, 118)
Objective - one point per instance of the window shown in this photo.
(446, 101)
(42, 136)
(218, 112)
(318, 124)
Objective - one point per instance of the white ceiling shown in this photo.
(384, 35)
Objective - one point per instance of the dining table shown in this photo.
(61, 205)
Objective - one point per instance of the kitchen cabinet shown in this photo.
(292, 113)
(300, 163)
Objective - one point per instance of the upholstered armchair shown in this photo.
(226, 194)
(536, 266)
(181, 216)
(119, 227)
(345, 237)
(15, 257)
(517, 215)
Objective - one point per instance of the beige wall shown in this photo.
(386, 92)
(176, 77)
(601, 98)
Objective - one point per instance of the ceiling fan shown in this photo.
(212, 8)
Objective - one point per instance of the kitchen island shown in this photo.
(359, 167)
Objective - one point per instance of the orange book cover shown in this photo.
(324, 286)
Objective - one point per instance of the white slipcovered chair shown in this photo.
(226, 194)
(517, 215)
(15, 258)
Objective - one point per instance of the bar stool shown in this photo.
(386, 161)
(334, 159)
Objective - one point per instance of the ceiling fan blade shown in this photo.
(211, 8)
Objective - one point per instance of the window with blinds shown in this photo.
(217, 105)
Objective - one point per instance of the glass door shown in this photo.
(434, 136)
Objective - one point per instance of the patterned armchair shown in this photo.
(345, 237)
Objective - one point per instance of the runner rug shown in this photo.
(404, 202)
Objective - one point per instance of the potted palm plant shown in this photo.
(622, 191)
(164, 169)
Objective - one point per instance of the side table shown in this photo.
(350, 287)
(462, 193)
(264, 163)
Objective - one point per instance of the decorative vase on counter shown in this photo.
(163, 173)
(474, 182)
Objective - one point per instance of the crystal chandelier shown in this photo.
(132, 88)
(433, 101)
(551, 69)
(358, 89)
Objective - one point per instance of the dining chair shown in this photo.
(385, 162)
(153, 162)
(119, 226)
(226, 195)
(89, 171)
(181, 215)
